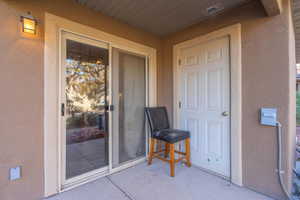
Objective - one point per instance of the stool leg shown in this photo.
(167, 149)
(152, 144)
(172, 159)
(188, 152)
(158, 145)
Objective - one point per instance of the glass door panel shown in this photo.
(129, 92)
(84, 107)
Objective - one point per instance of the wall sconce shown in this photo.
(29, 24)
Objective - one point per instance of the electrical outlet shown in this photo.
(268, 116)
(15, 173)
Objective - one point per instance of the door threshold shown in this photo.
(101, 174)
(127, 165)
(213, 173)
(84, 180)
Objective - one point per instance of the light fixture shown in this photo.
(29, 24)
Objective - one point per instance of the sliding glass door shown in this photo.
(129, 83)
(94, 91)
(84, 105)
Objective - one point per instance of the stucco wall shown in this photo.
(291, 143)
(266, 70)
(267, 81)
(21, 86)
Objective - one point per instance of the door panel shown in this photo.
(213, 95)
(191, 90)
(84, 103)
(205, 96)
(192, 125)
(214, 140)
(129, 96)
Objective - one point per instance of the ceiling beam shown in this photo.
(272, 7)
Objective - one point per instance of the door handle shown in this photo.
(62, 109)
(225, 113)
(111, 107)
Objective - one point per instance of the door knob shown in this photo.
(225, 113)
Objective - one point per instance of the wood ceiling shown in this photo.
(161, 17)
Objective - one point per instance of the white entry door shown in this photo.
(205, 103)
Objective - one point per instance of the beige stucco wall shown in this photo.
(291, 142)
(266, 79)
(267, 56)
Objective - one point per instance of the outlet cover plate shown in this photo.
(15, 173)
(268, 116)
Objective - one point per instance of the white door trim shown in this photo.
(234, 33)
(54, 25)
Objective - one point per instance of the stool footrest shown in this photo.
(170, 150)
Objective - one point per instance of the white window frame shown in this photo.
(234, 33)
(54, 25)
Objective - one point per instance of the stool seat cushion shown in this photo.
(171, 135)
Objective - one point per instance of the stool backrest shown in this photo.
(158, 118)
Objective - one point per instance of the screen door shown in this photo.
(129, 99)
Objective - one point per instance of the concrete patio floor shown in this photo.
(144, 182)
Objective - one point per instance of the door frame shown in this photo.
(234, 34)
(64, 36)
(54, 26)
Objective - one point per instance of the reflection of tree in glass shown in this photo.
(85, 86)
